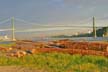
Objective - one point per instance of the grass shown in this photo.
(7, 45)
(59, 62)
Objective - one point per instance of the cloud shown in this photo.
(5, 30)
(46, 29)
(56, 0)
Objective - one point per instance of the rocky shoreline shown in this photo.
(22, 48)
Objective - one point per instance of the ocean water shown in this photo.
(73, 38)
(6, 42)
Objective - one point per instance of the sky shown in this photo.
(56, 12)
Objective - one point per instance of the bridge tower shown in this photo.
(13, 29)
(94, 28)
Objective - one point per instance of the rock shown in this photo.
(17, 53)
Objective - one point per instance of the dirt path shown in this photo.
(17, 69)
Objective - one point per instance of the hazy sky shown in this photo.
(54, 11)
(62, 12)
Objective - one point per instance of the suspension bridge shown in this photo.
(39, 27)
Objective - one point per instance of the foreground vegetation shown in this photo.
(7, 45)
(59, 62)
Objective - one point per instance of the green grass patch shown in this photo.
(7, 45)
(59, 62)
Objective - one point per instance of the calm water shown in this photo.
(74, 38)
(5, 42)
